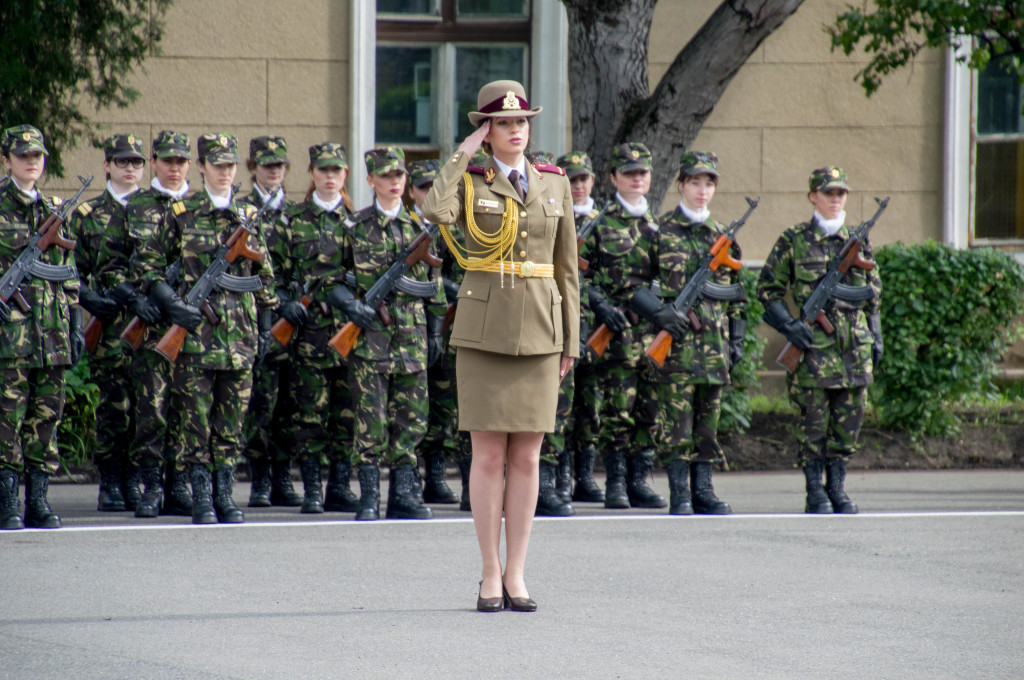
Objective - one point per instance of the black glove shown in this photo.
(737, 331)
(76, 338)
(797, 332)
(606, 312)
(451, 291)
(138, 304)
(435, 344)
(292, 311)
(177, 310)
(647, 305)
(877, 347)
(360, 313)
(264, 321)
(102, 307)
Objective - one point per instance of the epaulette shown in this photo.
(84, 209)
(361, 216)
(57, 200)
(248, 210)
(475, 169)
(178, 207)
(547, 167)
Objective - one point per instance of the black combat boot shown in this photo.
(259, 490)
(10, 502)
(153, 491)
(615, 496)
(563, 480)
(38, 514)
(640, 494)
(110, 497)
(130, 480)
(202, 495)
(705, 502)
(835, 476)
(282, 492)
(223, 503)
(549, 503)
(817, 501)
(680, 501)
(435, 488)
(313, 501)
(587, 489)
(178, 499)
(369, 492)
(403, 502)
(339, 496)
(465, 461)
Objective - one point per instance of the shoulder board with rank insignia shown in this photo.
(547, 167)
(84, 209)
(178, 207)
(249, 210)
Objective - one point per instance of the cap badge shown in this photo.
(835, 172)
(271, 145)
(26, 136)
(489, 175)
(223, 140)
(511, 102)
(131, 139)
(635, 154)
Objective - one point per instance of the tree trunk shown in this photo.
(611, 102)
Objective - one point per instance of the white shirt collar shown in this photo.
(167, 192)
(638, 210)
(34, 194)
(324, 205)
(698, 217)
(392, 214)
(584, 208)
(120, 198)
(278, 199)
(219, 202)
(505, 169)
(831, 227)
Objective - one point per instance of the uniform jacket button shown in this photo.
(523, 234)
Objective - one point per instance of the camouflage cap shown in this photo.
(479, 157)
(543, 157)
(217, 148)
(631, 156)
(123, 146)
(327, 154)
(575, 163)
(268, 150)
(384, 160)
(423, 172)
(699, 163)
(170, 144)
(829, 177)
(21, 140)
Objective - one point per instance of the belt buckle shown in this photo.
(527, 269)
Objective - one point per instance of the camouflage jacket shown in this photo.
(193, 232)
(681, 245)
(372, 245)
(38, 339)
(274, 228)
(93, 225)
(797, 263)
(587, 323)
(308, 251)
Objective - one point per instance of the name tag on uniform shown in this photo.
(484, 203)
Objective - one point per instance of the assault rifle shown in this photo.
(699, 286)
(216, 277)
(418, 250)
(28, 263)
(829, 288)
(584, 232)
(135, 332)
(283, 330)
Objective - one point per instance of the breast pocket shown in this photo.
(471, 314)
(553, 212)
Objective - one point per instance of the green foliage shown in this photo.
(737, 408)
(897, 30)
(77, 434)
(62, 56)
(947, 317)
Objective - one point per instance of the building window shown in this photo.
(998, 157)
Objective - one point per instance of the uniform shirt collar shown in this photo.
(218, 202)
(830, 227)
(583, 208)
(632, 210)
(278, 199)
(505, 169)
(32, 195)
(324, 205)
(120, 198)
(694, 216)
(391, 214)
(155, 183)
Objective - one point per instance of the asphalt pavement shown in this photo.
(924, 583)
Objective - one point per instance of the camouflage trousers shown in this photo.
(390, 413)
(556, 441)
(115, 415)
(324, 418)
(442, 434)
(158, 418)
(262, 427)
(616, 397)
(213, 406)
(31, 405)
(586, 421)
(830, 421)
(678, 417)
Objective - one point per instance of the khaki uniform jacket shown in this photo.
(531, 315)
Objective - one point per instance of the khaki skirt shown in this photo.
(506, 393)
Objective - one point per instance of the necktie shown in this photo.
(517, 185)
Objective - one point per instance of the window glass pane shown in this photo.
(999, 195)
(408, 7)
(406, 95)
(999, 102)
(491, 8)
(476, 66)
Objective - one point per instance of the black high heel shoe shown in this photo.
(489, 604)
(518, 604)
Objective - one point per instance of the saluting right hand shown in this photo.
(471, 143)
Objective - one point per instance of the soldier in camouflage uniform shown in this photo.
(619, 251)
(212, 376)
(830, 384)
(308, 250)
(157, 416)
(37, 343)
(684, 397)
(266, 449)
(388, 366)
(123, 165)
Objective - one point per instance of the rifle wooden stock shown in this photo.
(52, 236)
(93, 332)
(283, 330)
(134, 333)
(170, 344)
(720, 250)
(789, 357)
(658, 350)
(580, 262)
(344, 340)
(599, 339)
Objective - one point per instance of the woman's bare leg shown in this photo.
(486, 496)
(523, 477)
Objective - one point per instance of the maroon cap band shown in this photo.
(499, 105)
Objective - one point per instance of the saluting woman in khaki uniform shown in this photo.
(517, 326)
